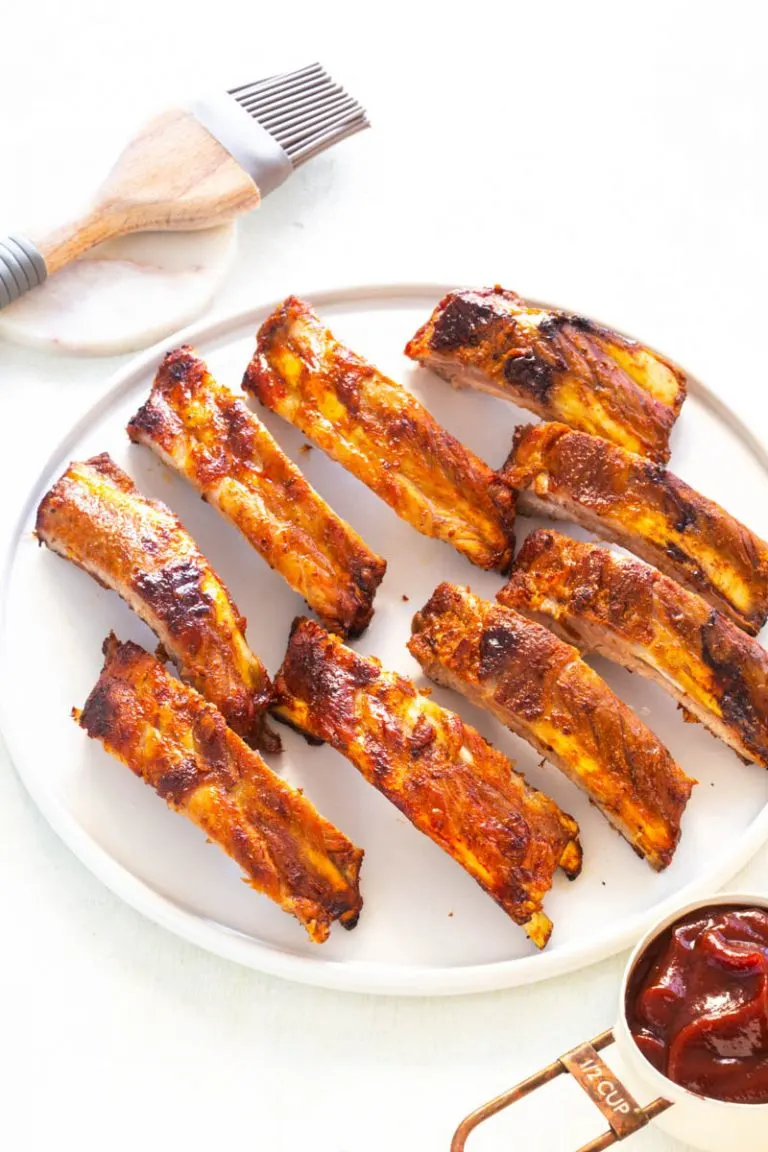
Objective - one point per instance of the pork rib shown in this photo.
(181, 746)
(450, 783)
(631, 614)
(381, 434)
(626, 500)
(96, 517)
(213, 439)
(558, 365)
(542, 691)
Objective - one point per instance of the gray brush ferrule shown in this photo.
(21, 267)
(255, 149)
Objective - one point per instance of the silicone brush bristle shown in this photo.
(305, 111)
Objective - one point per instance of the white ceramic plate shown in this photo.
(426, 927)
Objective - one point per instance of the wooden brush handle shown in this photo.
(65, 243)
(174, 175)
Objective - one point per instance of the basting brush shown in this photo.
(195, 168)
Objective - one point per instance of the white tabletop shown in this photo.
(576, 152)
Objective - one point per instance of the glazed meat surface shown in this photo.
(450, 783)
(96, 517)
(542, 691)
(628, 612)
(560, 366)
(626, 500)
(181, 746)
(381, 434)
(211, 436)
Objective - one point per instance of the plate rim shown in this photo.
(217, 938)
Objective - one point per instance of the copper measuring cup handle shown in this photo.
(621, 1110)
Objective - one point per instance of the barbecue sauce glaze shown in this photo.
(697, 1003)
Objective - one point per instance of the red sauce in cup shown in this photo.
(697, 1003)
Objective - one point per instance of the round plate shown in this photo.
(426, 927)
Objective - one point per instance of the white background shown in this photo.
(610, 157)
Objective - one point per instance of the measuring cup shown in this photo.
(702, 1122)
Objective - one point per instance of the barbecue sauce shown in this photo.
(697, 1003)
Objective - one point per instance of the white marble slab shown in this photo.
(125, 294)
